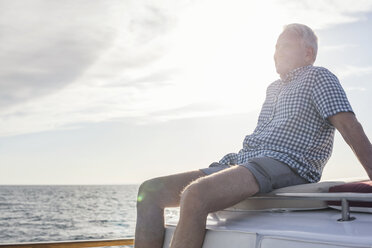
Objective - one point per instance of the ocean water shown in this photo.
(61, 213)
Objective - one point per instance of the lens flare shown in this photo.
(140, 198)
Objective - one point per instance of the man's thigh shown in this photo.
(226, 187)
(269, 173)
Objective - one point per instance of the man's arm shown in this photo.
(352, 132)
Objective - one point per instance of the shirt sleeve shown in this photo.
(229, 159)
(328, 95)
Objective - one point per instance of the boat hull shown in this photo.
(285, 229)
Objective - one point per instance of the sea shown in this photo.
(34, 213)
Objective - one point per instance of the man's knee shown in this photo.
(150, 191)
(192, 199)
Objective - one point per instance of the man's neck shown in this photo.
(284, 77)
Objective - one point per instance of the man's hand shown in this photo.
(352, 132)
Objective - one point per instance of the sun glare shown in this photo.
(225, 55)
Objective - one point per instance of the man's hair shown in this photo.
(306, 34)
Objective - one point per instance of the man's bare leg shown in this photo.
(209, 194)
(153, 196)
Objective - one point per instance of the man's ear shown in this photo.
(309, 55)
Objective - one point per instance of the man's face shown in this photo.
(290, 53)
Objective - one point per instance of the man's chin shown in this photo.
(280, 71)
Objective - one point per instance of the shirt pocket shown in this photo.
(289, 103)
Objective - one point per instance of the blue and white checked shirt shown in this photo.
(292, 126)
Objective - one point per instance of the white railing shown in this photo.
(344, 198)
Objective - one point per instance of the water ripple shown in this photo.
(60, 213)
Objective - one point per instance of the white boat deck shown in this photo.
(264, 229)
(292, 217)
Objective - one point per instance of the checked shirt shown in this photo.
(292, 126)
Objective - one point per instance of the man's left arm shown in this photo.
(352, 132)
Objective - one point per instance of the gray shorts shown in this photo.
(269, 173)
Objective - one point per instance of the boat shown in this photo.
(300, 216)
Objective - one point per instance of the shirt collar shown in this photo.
(295, 73)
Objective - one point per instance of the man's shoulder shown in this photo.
(274, 85)
(318, 75)
(276, 82)
(319, 70)
(322, 75)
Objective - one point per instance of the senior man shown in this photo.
(291, 144)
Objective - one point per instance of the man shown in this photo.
(291, 144)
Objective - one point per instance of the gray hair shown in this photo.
(306, 34)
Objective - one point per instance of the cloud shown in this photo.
(200, 109)
(355, 89)
(337, 48)
(159, 78)
(353, 71)
(55, 52)
(76, 61)
(320, 14)
(46, 45)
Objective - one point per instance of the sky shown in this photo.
(117, 92)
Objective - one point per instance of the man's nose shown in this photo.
(277, 54)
